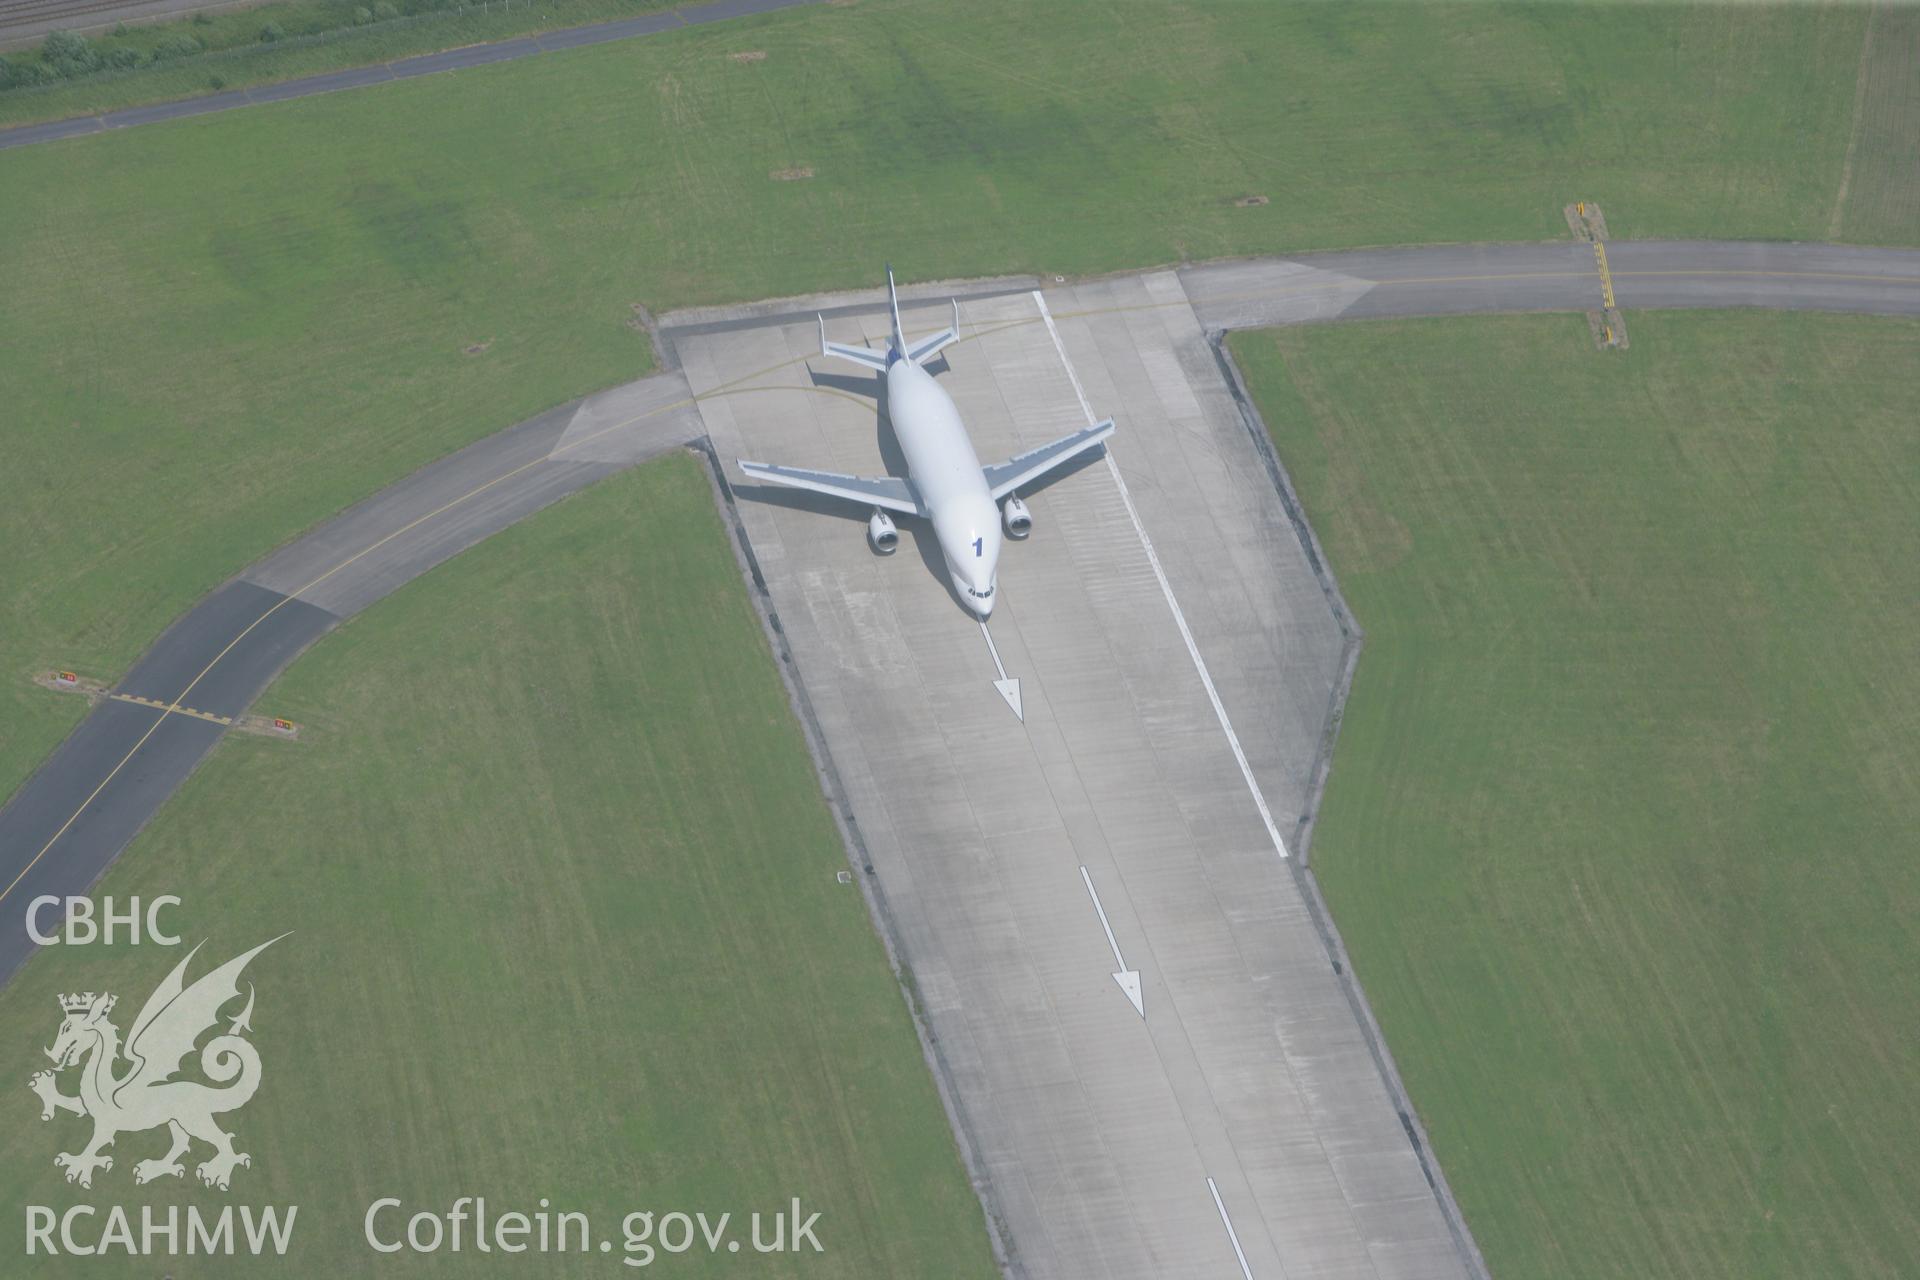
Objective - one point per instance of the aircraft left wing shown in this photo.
(1003, 478)
(890, 492)
(867, 356)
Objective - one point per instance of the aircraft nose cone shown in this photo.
(979, 601)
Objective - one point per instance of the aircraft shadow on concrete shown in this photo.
(893, 463)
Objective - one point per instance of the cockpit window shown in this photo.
(981, 595)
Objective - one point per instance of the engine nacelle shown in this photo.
(1016, 517)
(884, 538)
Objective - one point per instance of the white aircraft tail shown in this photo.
(893, 304)
(918, 353)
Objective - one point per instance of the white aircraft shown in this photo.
(945, 482)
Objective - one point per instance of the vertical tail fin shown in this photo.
(893, 301)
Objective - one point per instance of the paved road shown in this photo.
(405, 69)
(1480, 279)
(23, 22)
(1133, 342)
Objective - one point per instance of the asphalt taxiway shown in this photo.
(1177, 649)
(63, 828)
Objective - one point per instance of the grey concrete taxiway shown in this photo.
(1176, 652)
(1104, 1134)
(1179, 652)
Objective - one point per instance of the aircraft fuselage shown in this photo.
(946, 476)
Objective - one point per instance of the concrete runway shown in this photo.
(1104, 1137)
(1179, 654)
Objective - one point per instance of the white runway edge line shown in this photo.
(1166, 589)
(1245, 1270)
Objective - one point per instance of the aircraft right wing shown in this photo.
(1003, 478)
(890, 492)
(934, 343)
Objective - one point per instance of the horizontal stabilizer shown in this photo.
(890, 492)
(932, 345)
(919, 353)
(859, 355)
(1005, 477)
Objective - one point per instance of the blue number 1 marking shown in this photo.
(976, 547)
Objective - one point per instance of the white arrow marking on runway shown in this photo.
(1129, 979)
(1009, 689)
(1232, 1235)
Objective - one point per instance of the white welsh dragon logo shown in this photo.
(146, 1096)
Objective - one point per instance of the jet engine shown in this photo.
(1018, 520)
(881, 533)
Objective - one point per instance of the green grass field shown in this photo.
(221, 331)
(320, 35)
(1880, 187)
(1621, 825)
(566, 925)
